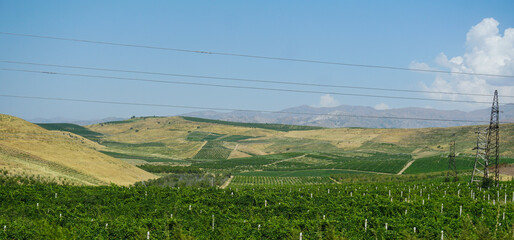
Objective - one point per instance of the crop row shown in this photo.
(273, 181)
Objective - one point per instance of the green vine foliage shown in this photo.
(33, 210)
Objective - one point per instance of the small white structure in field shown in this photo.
(148, 235)
(365, 225)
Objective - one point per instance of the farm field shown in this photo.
(288, 181)
(301, 173)
(277, 181)
(246, 149)
(274, 211)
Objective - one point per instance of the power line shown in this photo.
(235, 109)
(239, 87)
(244, 79)
(255, 56)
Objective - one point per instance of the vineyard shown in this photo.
(276, 211)
(292, 161)
(277, 181)
(437, 164)
(213, 150)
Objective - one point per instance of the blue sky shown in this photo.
(393, 33)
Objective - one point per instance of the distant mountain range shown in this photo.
(340, 116)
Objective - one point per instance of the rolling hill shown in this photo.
(243, 147)
(230, 147)
(58, 156)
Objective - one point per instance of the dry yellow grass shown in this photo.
(345, 138)
(66, 155)
(173, 132)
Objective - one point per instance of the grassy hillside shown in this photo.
(27, 149)
(226, 147)
(235, 147)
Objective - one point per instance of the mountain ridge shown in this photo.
(389, 118)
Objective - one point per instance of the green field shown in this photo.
(301, 173)
(213, 150)
(440, 163)
(255, 208)
(239, 181)
(254, 162)
(145, 158)
(73, 128)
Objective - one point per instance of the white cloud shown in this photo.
(328, 101)
(487, 51)
(382, 106)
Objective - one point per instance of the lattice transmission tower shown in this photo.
(452, 168)
(488, 145)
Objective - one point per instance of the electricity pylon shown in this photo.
(493, 139)
(481, 165)
(488, 145)
(452, 168)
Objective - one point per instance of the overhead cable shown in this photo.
(239, 87)
(245, 79)
(256, 56)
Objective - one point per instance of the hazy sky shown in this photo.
(469, 36)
